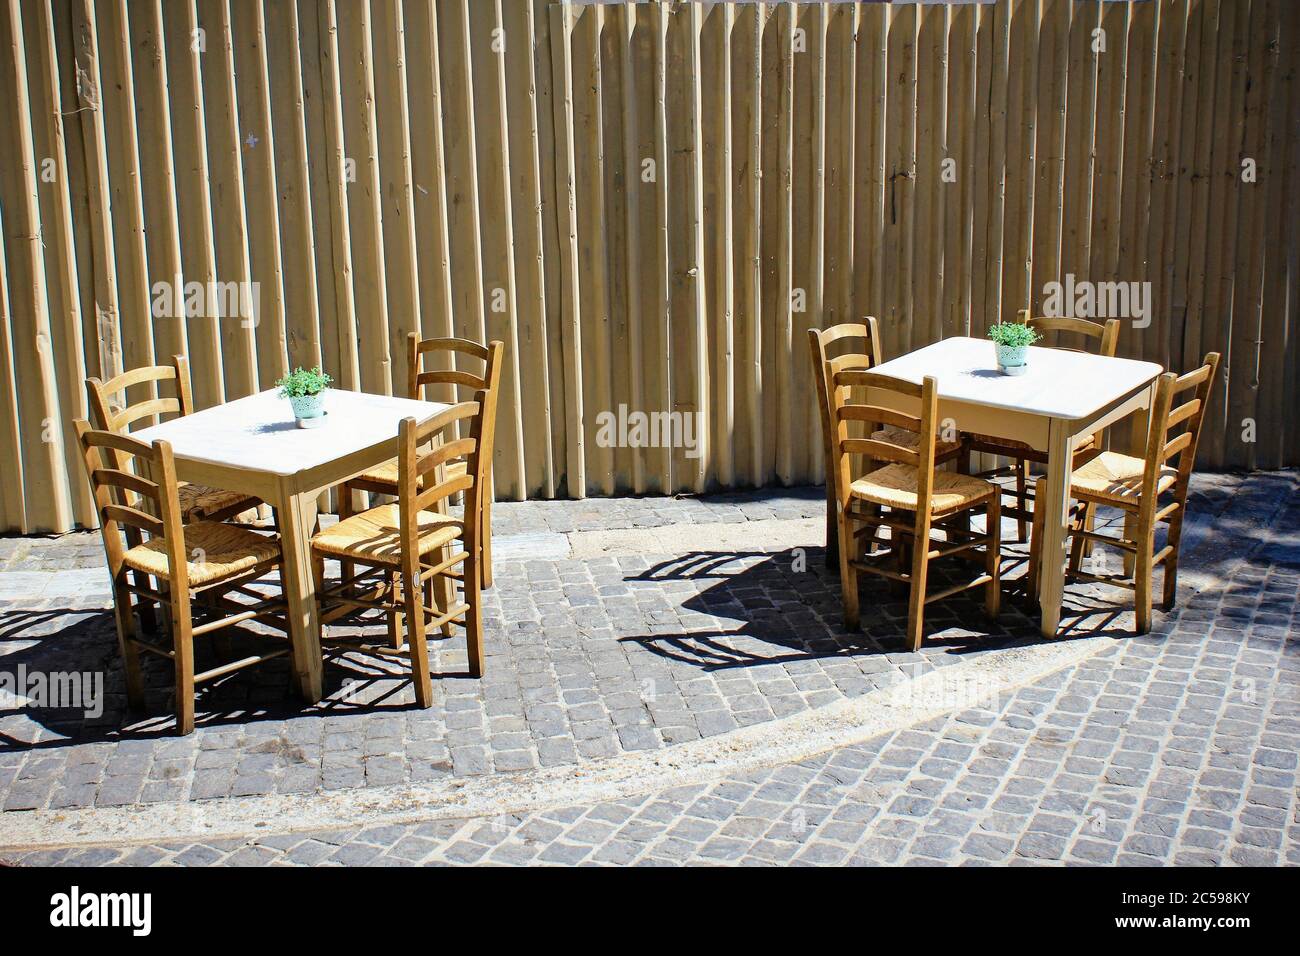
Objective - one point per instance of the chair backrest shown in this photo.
(129, 502)
(1183, 420)
(856, 345)
(845, 412)
(454, 354)
(464, 432)
(1105, 335)
(111, 415)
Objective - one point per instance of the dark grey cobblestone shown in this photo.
(1178, 747)
(586, 659)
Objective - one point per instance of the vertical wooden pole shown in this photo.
(45, 485)
(530, 252)
(562, 64)
(185, 51)
(157, 177)
(339, 170)
(61, 252)
(284, 46)
(229, 219)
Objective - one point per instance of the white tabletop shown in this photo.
(1057, 384)
(258, 433)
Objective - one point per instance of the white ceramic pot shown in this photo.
(309, 410)
(1012, 359)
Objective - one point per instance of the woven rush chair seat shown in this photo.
(911, 440)
(375, 535)
(200, 501)
(387, 473)
(383, 474)
(896, 486)
(221, 550)
(1117, 478)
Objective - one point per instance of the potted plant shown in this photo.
(305, 390)
(1012, 340)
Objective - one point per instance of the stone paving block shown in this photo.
(1146, 753)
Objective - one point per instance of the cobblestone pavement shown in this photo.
(1178, 747)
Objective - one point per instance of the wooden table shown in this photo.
(252, 445)
(1062, 398)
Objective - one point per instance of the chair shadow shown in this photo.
(786, 607)
(80, 641)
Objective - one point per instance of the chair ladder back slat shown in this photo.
(879, 415)
(1174, 446)
(146, 409)
(460, 448)
(108, 414)
(442, 491)
(125, 514)
(116, 478)
(879, 450)
(451, 376)
(1192, 412)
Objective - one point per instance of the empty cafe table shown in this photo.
(1061, 398)
(252, 445)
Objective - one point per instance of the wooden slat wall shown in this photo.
(649, 202)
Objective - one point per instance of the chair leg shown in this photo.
(1130, 534)
(396, 626)
(993, 555)
(125, 642)
(346, 568)
(916, 597)
(145, 607)
(183, 647)
(964, 468)
(1035, 558)
(848, 574)
(1142, 580)
(1089, 525)
(474, 619)
(1171, 563)
(1077, 545)
(485, 536)
(1022, 490)
(832, 523)
(412, 597)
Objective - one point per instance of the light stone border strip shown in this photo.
(774, 743)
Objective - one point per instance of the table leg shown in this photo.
(1055, 505)
(297, 522)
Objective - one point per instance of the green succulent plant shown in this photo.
(302, 382)
(1012, 334)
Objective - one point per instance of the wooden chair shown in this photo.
(1135, 486)
(866, 337)
(383, 480)
(408, 545)
(198, 563)
(107, 414)
(919, 498)
(1106, 337)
